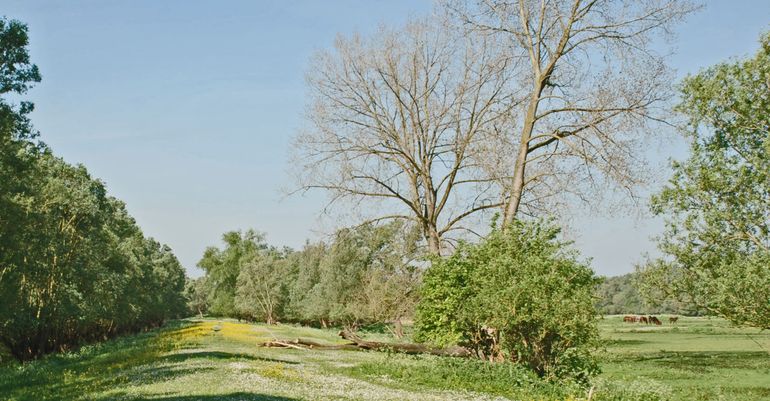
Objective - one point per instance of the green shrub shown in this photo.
(519, 295)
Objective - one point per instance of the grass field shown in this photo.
(698, 359)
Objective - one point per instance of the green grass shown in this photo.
(698, 359)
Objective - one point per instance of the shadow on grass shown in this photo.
(240, 396)
(755, 392)
(699, 362)
(622, 342)
(704, 360)
(93, 367)
(185, 356)
(149, 375)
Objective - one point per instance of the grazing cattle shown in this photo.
(673, 319)
(643, 319)
(655, 320)
(629, 319)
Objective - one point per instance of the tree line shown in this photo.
(625, 294)
(362, 275)
(74, 265)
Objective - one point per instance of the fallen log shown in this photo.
(304, 344)
(289, 345)
(356, 343)
(407, 348)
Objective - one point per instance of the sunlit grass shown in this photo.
(218, 359)
(697, 358)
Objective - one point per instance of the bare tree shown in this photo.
(591, 90)
(403, 117)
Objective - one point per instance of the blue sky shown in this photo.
(186, 108)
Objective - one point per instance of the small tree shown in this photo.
(519, 295)
(260, 291)
(223, 267)
(196, 293)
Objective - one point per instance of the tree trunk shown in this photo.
(356, 343)
(406, 348)
(434, 243)
(432, 238)
(517, 185)
(399, 329)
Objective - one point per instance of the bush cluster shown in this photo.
(519, 295)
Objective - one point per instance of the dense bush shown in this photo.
(519, 295)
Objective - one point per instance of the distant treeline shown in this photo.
(620, 295)
(362, 275)
(74, 265)
(367, 274)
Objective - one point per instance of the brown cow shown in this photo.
(655, 320)
(643, 319)
(629, 319)
(673, 319)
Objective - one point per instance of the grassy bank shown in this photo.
(190, 360)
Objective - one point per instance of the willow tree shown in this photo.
(223, 266)
(591, 87)
(400, 120)
(17, 146)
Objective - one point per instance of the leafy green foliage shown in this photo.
(17, 73)
(718, 200)
(261, 287)
(17, 146)
(367, 274)
(74, 266)
(196, 295)
(519, 294)
(86, 270)
(223, 267)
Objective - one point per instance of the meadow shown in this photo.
(696, 359)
